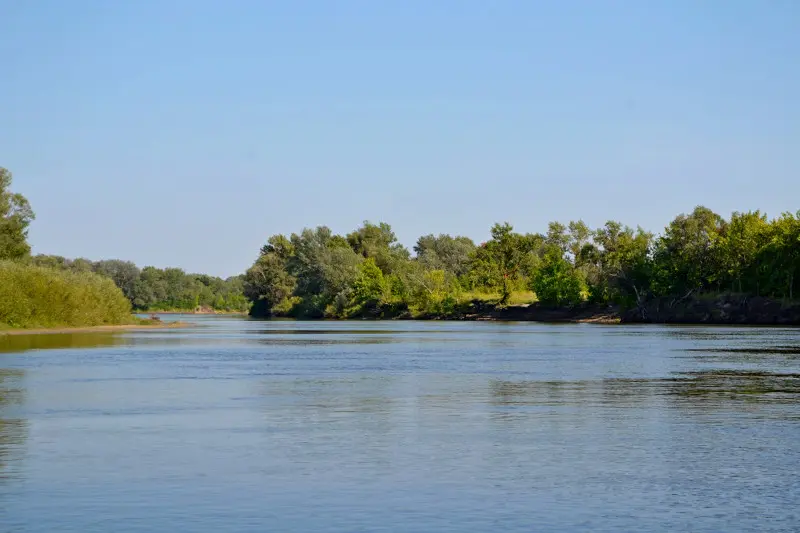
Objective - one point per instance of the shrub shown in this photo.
(33, 296)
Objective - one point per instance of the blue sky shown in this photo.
(184, 133)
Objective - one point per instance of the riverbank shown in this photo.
(192, 312)
(92, 329)
(721, 309)
(591, 314)
(726, 309)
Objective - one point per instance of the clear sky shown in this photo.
(185, 132)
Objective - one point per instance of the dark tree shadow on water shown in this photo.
(13, 429)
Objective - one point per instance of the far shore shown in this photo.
(92, 329)
(212, 313)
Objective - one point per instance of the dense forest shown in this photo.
(368, 273)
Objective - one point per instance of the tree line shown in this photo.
(83, 282)
(367, 272)
(151, 289)
(33, 296)
(316, 273)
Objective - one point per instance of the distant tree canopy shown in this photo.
(15, 217)
(154, 289)
(367, 272)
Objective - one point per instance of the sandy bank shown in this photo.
(92, 329)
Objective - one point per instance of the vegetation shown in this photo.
(36, 297)
(15, 217)
(32, 296)
(367, 273)
(152, 289)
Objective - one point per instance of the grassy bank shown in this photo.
(33, 297)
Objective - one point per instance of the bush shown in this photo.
(40, 297)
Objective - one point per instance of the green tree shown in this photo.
(267, 284)
(686, 257)
(558, 236)
(123, 273)
(324, 267)
(451, 254)
(380, 243)
(779, 258)
(15, 217)
(556, 282)
(506, 253)
(370, 286)
(624, 263)
(579, 236)
(738, 245)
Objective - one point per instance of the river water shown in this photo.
(237, 425)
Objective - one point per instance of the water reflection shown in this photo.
(23, 343)
(325, 341)
(710, 387)
(13, 430)
(767, 350)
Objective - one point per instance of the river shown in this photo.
(237, 425)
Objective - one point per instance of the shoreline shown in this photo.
(200, 313)
(91, 329)
(721, 310)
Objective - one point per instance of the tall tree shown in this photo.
(739, 244)
(378, 241)
(124, 274)
(506, 252)
(267, 283)
(625, 267)
(686, 256)
(15, 217)
(556, 282)
(451, 254)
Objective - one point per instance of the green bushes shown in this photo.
(40, 297)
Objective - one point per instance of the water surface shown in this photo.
(238, 425)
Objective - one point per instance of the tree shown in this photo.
(557, 236)
(556, 282)
(124, 274)
(279, 245)
(686, 256)
(371, 239)
(380, 243)
(321, 265)
(267, 283)
(579, 235)
(739, 244)
(15, 217)
(451, 254)
(505, 253)
(370, 285)
(623, 259)
(779, 258)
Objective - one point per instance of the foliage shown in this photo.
(40, 297)
(556, 282)
(370, 286)
(686, 255)
(443, 252)
(267, 283)
(15, 217)
(367, 273)
(154, 289)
